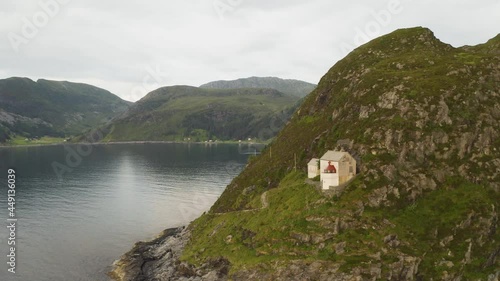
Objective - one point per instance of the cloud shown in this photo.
(112, 44)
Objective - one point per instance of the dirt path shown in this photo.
(263, 201)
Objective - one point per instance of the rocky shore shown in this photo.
(158, 260)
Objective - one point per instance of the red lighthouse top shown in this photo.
(330, 169)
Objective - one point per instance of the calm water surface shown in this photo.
(73, 227)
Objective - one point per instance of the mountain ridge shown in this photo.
(66, 108)
(292, 87)
(187, 113)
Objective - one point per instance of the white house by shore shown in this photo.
(335, 168)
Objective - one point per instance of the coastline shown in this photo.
(159, 259)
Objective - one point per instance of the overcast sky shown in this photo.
(133, 47)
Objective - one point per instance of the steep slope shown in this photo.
(292, 87)
(53, 108)
(423, 120)
(182, 112)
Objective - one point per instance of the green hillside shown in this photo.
(291, 87)
(423, 120)
(52, 108)
(179, 113)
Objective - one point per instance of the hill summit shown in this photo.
(292, 87)
(53, 108)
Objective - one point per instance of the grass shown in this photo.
(22, 141)
(264, 236)
(270, 228)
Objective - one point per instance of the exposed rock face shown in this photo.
(301, 237)
(296, 271)
(404, 269)
(11, 119)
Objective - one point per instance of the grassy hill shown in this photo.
(291, 87)
(178, 113)
(53, 108)
(423, 120)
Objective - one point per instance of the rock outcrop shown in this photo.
(159, 260)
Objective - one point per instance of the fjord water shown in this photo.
(73, 227)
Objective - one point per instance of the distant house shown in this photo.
(335, 168)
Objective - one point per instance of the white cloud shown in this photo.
(111, 43)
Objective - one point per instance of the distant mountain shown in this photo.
(53, 108)
(288, 86)
(180, 113)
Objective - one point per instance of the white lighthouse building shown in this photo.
(335, 168)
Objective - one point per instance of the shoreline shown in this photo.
(131, 142)
(159, 259)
